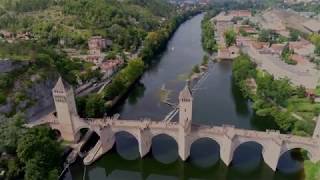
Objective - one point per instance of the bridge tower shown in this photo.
(185, 120)
(66, 110)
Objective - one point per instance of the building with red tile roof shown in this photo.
(96, 44)
(302, 47)
(298, 59)
(240, 13)
(277, 48)
(111, 66)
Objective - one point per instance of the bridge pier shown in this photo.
(271, 154)
(145, 141)
(107, 139)
(226, 151)
(184, 152)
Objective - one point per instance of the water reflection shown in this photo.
(137, 92)
(204, 152)
(164, 149)
(242, 105)
(291, 161)
(247, 156)
(113, 167)
(127, 146)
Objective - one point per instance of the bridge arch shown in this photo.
(134, 133)
(81, 130)
(56, 132)
(164, 148)
(251, 157)
(193, 139)
(127, 145)
(312, 152)
(205, 158)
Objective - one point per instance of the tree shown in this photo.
(243, 68)
(286, 55)
(205, 60)
(11, 130)
(267, 36)
(196, 69)
(317, 49)
(208, 40)
(40, 152)
(315, 39)
(294, 35)
(15, 168)
(230, 37)
(94, 106)
(124, 79)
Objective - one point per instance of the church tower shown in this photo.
(185, 107)
(66, 109)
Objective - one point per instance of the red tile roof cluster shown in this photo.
(299, 44)
(299, 59)
(260, 45)
(240, 13)
(110, 64)
(277, 48)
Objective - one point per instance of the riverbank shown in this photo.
(285, 104)
(155, 43)
(289, 106)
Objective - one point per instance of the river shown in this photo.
(216, 102)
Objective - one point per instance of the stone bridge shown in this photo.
(228, 137)
(184, 132)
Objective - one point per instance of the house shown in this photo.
(96, 44)
(240, 13)
(228, 53)
(298, 59)
(271, 21)
(277, 48)
(24, 35)
(6, 34)
(203, 2)
(312, 25)
(260, 45)
(243, 41)
(96, 59)
(302, 47)
(109, 67)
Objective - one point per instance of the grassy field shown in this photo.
(312, 171)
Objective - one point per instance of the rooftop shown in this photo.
(240, 13)
(185, 93)
(312, 25)
(223, 17)
(299, 59)
(61, 86)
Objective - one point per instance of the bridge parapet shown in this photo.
(229, 130)
(145, 123)
(298, 139)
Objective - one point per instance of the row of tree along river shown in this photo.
(216, 102)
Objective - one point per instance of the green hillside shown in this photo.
(73, 21)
